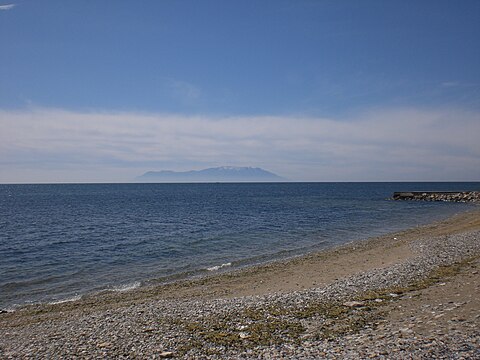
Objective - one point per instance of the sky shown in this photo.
(103, 91)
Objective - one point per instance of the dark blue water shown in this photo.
(60, 241)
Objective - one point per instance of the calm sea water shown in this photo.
(61, 241)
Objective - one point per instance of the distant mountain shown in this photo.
(218, 174)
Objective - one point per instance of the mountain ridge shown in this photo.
(215, 174)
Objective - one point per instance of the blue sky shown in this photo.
(313, 90)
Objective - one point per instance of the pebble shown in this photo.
(353, 304)
(166, 354)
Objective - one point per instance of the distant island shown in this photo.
(217, 174)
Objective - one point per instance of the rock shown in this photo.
(166, 354)
(243, 335)
(467, 196)
(353, 304)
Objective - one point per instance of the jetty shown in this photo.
(455, 196)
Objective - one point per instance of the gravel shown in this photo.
(326, 322)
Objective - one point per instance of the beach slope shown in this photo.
(410, 294)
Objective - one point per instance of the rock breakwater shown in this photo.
(454, 196)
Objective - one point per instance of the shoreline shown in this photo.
(224, 271)
(311, 280)
(263, 273)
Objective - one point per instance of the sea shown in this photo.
(59, 242)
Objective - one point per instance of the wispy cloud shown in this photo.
(450, 84)
(457, 84)
(7, 7)
(384, 144)
(184, 90)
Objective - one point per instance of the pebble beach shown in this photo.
(412, 294)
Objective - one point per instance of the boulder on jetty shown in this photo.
(455, 196)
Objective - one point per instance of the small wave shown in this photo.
(218, 267)
(6, 310)
(70, 299)
(127, 287)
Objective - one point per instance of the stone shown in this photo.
(166, 354)
(353, 304)
(243, 335)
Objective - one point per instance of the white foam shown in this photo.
(7, 310)
(127, 287)
(218, 267)
(70, 299)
